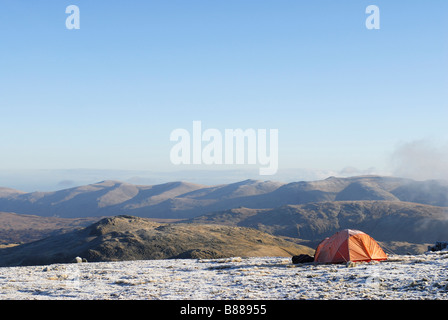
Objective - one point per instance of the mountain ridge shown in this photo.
(387, 221)
(183, 200)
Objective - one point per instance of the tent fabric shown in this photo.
(348, 245)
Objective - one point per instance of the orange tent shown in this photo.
(348, 245)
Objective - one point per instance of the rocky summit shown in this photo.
(123, 238)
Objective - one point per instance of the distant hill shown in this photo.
(180, 200)
(7, 192)
(20, 228)
(133, 238)
(400, 224)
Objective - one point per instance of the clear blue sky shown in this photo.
(108, 95)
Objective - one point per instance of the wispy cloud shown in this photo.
(420, 160)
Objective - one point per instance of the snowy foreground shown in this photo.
(401, 277)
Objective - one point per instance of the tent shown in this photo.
(348, 245)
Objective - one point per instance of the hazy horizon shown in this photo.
(54, 180)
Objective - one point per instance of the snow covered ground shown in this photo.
(401, 277)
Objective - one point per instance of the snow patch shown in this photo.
(265, 278)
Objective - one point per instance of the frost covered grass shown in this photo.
(266, 278)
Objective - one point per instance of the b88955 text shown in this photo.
(241, 309)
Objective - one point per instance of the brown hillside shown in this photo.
(131, 238)
(22, 228)
(401, 223)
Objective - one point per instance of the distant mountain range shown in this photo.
(181, 200)
(403, 215)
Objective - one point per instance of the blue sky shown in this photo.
(108, 95)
